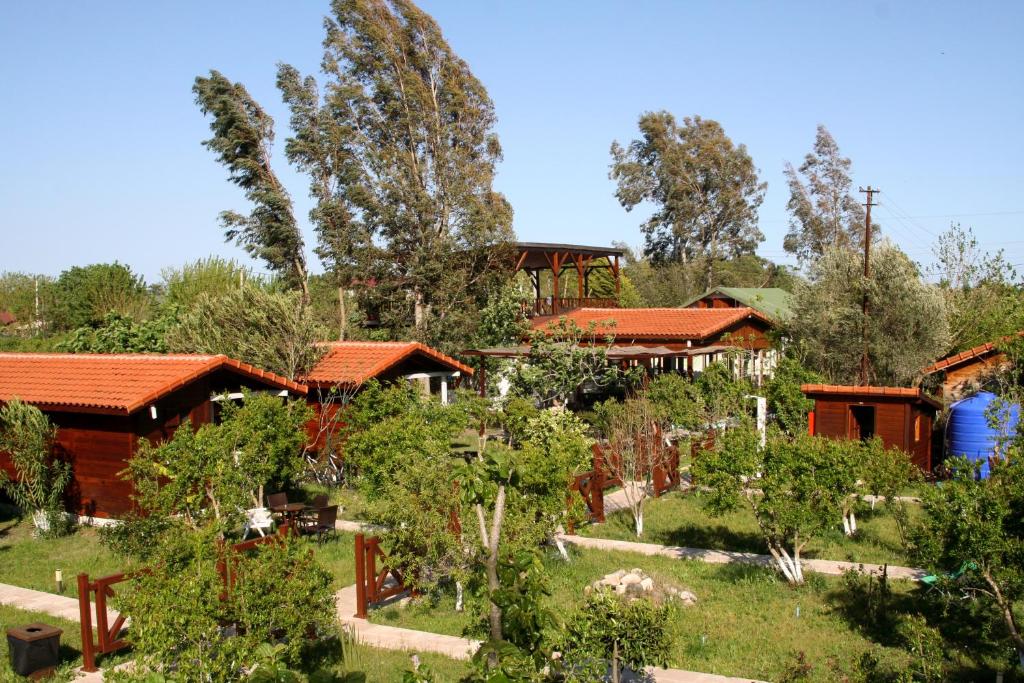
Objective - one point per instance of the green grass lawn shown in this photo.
(746, 621)
(337, 554)
(30, 562)
(70, 641)
(680, 519)
(388, 666)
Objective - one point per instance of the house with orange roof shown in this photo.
(901, 417)
(103, 404)
(347, 365)
(965, 373)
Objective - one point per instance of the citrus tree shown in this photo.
(794, 486)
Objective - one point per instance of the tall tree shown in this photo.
(824, 212)
(242, 138)
(84, 295)
(906, 323)
(705, 189)
(982, 290)
(401, 154)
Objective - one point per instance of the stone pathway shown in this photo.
(832, 567)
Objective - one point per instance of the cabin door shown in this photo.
(861, 422)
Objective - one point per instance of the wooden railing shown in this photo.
(563, 304)
(592, 485)
(109, 636)
(370, 583)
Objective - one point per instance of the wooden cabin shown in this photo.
(103, 404)
(698, 337)
(903, 418)
(962, 374)
(347, 366)
(772, 302)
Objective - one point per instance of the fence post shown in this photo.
(597, 495)
(85, 618)
(360, 577)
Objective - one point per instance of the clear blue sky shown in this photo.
(101, 157)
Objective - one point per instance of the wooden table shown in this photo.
(291, 513)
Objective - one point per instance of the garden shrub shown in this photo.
(181, 624)
(40, 479)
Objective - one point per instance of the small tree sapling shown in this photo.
(636, 446)
(795, 487)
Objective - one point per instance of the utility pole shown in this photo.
(864, 362)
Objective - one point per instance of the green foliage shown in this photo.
(525, 652)
(723, 396)
(27, 436)
(502, 320)
(416, 508)
(705, 190)
(787, 405)
(608, 626)
(84, 295)
(137, 536)
(210, 474)
(120, 334)
(280, 594)
(18, 294)
(906, 324)
(242, 136)
(976, 525)
(982, 292)
(795, 486)
(885, 472)
(679, 400)
(825, 214)
(401, 155)
(564, 356)
(386, 428)
(213, 275)
(271, 330)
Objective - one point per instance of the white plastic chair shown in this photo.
(259, 520)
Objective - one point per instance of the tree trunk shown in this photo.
(615, 661)
(1006, 608)
(342, 314)
(492, 571)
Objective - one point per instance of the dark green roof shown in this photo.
(771, 301)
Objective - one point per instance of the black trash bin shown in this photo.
(34, 649)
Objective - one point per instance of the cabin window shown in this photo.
(917, 429)
(862, 422)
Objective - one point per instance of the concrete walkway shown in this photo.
(831, 567)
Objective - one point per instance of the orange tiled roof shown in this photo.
(352, 363)
(119, 383)
(964, 356)
(656, 323)
(898, 392)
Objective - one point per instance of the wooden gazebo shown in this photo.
(536, 257)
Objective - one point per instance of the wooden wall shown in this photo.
(99, 446)
(894, 423)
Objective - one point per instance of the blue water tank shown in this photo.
(968, 432)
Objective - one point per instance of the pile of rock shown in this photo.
(636, 583)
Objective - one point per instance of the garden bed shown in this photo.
(679, 519)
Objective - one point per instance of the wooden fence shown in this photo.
(591, 485)
(109, 637)
(370, 583)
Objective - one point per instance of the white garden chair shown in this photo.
(259, 520)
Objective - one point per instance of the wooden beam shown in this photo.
(522, 259)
